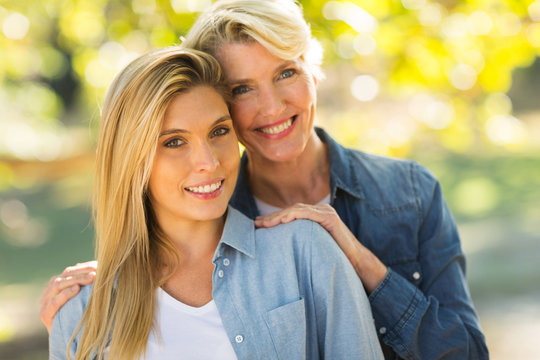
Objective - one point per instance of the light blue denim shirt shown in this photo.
(286, 292)
(422, 309)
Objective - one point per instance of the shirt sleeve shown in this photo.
(57, 341)
(437, 319)
(344, 321)
(64, 325)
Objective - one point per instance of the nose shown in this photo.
(204, 158)
(271, 102)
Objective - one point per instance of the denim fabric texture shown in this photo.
(286, 292)
(422, 309)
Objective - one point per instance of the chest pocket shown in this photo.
(287, 326)
(410, 270)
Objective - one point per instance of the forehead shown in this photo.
(198, 107)
(240, 58)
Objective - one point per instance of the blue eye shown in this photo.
(287, 73)
(174, 143)
(239, 90)
(220, 131)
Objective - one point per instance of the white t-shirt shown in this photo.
(186, 332)
(265, 208)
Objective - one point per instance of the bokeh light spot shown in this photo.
(184, 6)
(508, 24)
(434, 112)
(479, 23)
(534, 11)
(364, 44)
(365, 87)
(463, 76)
(455, 26)
(476, 196)
(16, 26)
(498, 104)
(533, 34)
(13, 214)
(505, 130)
(430, 15)
(352, 14)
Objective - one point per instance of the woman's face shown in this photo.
(273, 104)
(197, 157)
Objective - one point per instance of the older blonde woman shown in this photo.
(181, 275)
(388, 216)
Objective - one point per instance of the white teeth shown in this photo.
(277, 129)
(205, 189)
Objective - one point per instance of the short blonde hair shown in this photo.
(278, 25)
(130, 248)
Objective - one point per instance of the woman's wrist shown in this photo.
(368, 267)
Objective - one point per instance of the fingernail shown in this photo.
(73, 288)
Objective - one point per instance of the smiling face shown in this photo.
(195, 167)
(273, 103)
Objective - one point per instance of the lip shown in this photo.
(206, 195)
(281, 134)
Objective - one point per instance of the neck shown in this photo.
(191, 281)
(304, 179)
(194, 240)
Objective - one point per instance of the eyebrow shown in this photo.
(182, 131)
(280, 67)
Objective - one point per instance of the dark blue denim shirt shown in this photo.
(423, 308)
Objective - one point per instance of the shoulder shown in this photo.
(68, 317)
(306, 237)
(76, 305)
(391, 182)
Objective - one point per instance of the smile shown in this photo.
(278, 129)
(206, 189)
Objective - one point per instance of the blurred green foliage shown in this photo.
(448, 63)
(418, 78)
(450, 83)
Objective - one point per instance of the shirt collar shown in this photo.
(343, 174)
(238, 233)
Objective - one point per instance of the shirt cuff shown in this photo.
(395, 303)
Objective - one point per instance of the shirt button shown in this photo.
(226, 262)
(239, 339)
(416, 275)
(382, 330)
(220, 273)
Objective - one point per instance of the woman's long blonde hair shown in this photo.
(134, 256)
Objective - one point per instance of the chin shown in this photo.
(284, 153)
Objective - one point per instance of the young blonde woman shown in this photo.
(388, 216)
(182, 276)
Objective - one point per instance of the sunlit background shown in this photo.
(452, 84)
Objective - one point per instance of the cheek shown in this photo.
(242, 115)
(166, 172)
(229, 154)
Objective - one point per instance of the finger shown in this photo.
(49, 310)
(61, 282)
(273, 219)
(286, 216)
(267, 221)
(81, 268)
